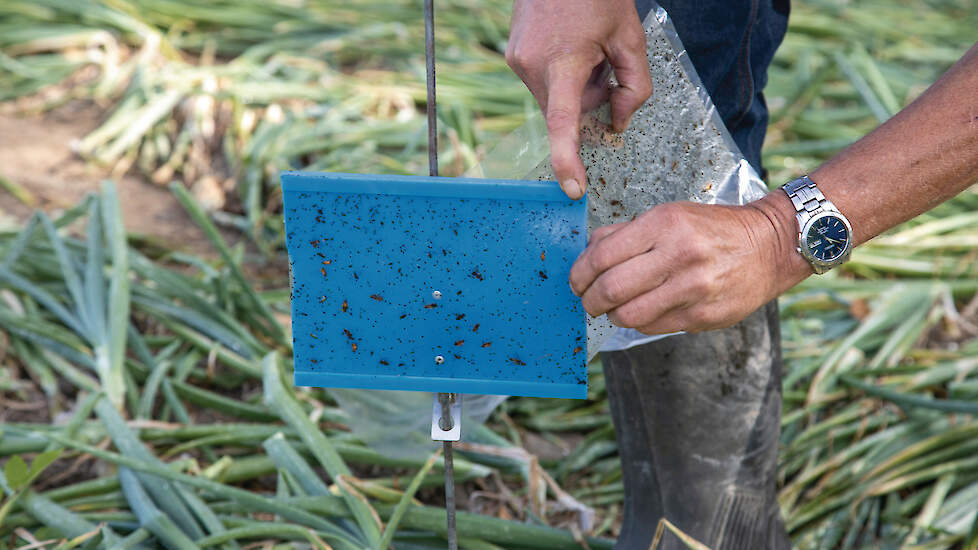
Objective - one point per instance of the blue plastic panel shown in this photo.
(435, 284)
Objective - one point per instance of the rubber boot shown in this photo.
(697, 418)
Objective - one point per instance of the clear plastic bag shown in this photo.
(676, 148)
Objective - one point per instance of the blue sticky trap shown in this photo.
(435, 284)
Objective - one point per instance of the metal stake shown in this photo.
(429, 54)
(450, 496)
(446, 423)
(446, 400)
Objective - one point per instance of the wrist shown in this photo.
(790, 267)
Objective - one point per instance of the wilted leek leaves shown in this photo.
(844, 67)
(166, 369)
(95, 313)
(878, 434)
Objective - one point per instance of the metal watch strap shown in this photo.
(806, 198)
(809, 202)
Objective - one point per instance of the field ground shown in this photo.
(35, 151)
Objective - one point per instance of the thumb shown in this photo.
(634, 80)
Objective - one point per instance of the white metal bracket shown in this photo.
(452, 404)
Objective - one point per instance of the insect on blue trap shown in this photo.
(447, 285)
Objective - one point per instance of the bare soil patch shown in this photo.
(36, 153)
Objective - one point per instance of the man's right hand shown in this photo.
(562, 50)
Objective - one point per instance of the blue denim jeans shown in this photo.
(731, 43)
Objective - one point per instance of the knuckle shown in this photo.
(611, 291)
(517, 57)
(600, 233)
(701, 318)
(574, 280)
(511, 58)
(702, 284)
(635, 39)
(634, 98)
(628, 43)
(697, 250)
(600, 260)
(667, 213)
(693, 320)
(560, 118)
(649, 330)
(626, 317)
(644, 88)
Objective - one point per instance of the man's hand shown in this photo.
(692, 267)
(562, 49)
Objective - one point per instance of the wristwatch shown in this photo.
(824, 234)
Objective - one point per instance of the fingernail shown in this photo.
(573, 188)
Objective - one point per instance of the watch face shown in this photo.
(827, 238)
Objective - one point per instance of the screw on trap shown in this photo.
(447, 285)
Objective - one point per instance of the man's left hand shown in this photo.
(687, 266)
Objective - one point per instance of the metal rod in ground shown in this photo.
(450, 495)
(445, 399)
(446, 423)
(429, 52)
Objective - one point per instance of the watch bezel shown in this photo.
(803, 240)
